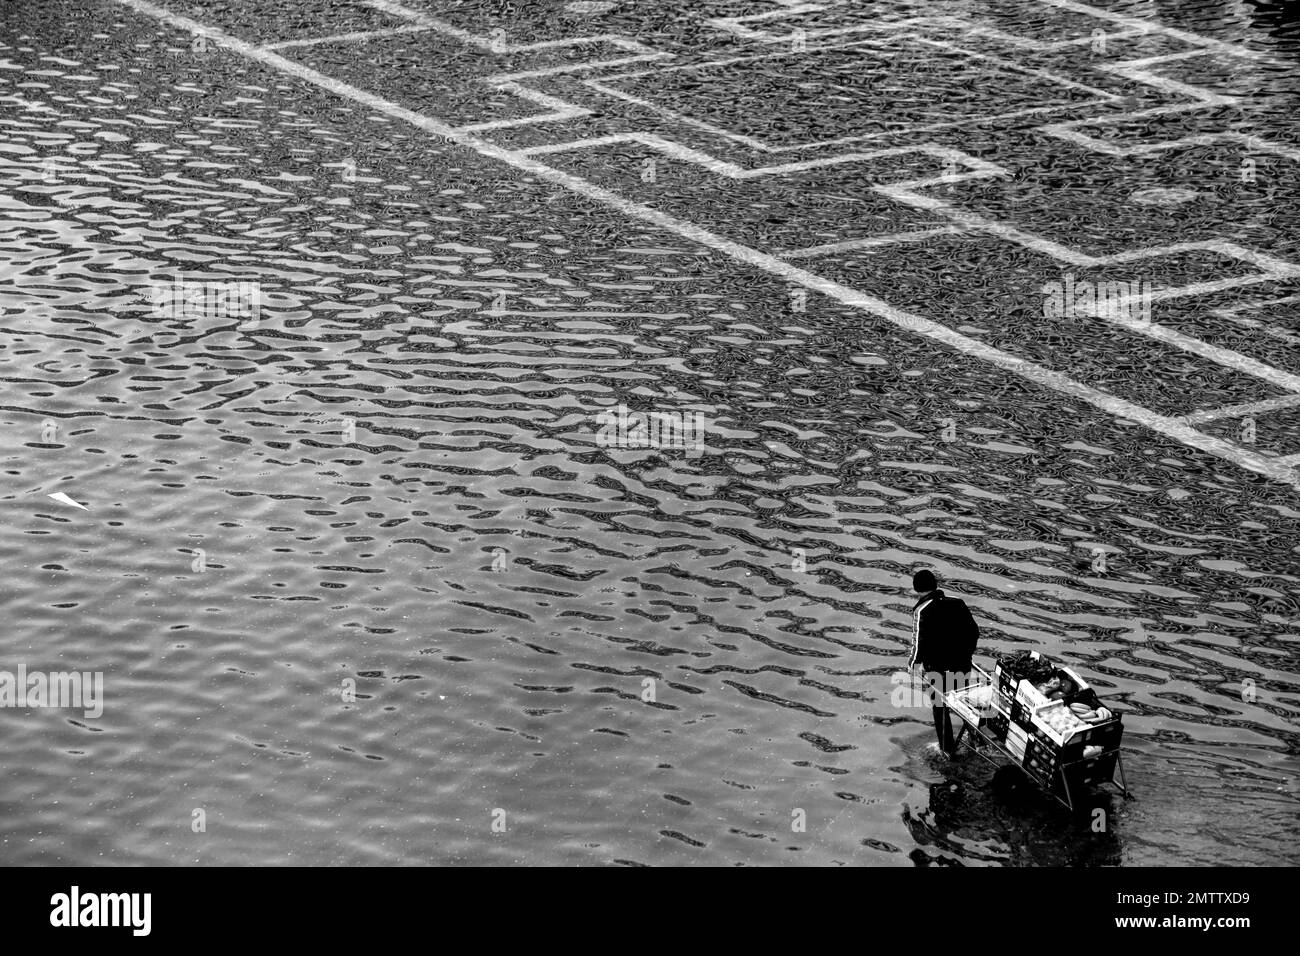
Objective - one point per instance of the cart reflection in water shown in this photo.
(968, 821)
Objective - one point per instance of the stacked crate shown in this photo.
(1043, 753)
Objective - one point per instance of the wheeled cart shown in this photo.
(1062, 772)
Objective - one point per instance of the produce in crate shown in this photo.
(1059, 718)
(1025, 666)
(1084, 712)
(1051, 683)
(1047, 720)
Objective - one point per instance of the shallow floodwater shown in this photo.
(366, 588)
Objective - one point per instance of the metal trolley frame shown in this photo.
(1060, 776)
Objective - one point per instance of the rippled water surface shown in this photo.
(392, 481)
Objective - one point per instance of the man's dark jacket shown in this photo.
(947, 634)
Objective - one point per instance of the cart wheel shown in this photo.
(1011, 784)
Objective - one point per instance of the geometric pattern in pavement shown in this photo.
(911, 103)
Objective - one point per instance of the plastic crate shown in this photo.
(972, 704)
(1049, 757)
(1045, 776)
(1098, 769)
(996, 726)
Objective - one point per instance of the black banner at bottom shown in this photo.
(338, 906)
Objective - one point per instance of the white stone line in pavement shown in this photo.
(560, 110)
(1271, 329)
(1137, 23)
(736, 26)
(1132, 70)
(572, 68)
(1014, 67)
(602, 86)
(564, 111)
(905, 193)
(1240, 411)
(1133, 26)
(1271, 267)
(1172, 87)
(975, 168)
(361, 35)
(1171, 428)
(870, 242)
(758, 36)
(1231, 311)
(1272, 270)
(1156, 58)
(1032, 43)
(1289, 461)
(759, 145)
(676, 117)
(493, 45)
(1070, 131)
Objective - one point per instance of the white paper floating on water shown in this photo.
(64, 499)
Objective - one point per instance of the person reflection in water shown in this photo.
(944, 634)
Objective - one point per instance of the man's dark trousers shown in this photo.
(943, 729)
(942, 721)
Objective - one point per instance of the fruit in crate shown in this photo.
(1060, 719)
(1084, 712)
(1097, 716)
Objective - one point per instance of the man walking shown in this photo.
(944, 635)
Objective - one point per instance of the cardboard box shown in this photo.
(1078, 681)
(1009, 684)
(1060, 738)
(1048, 751)
(1030, 696)
(1017, 741)
(1016, 747)
(1086, 734)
